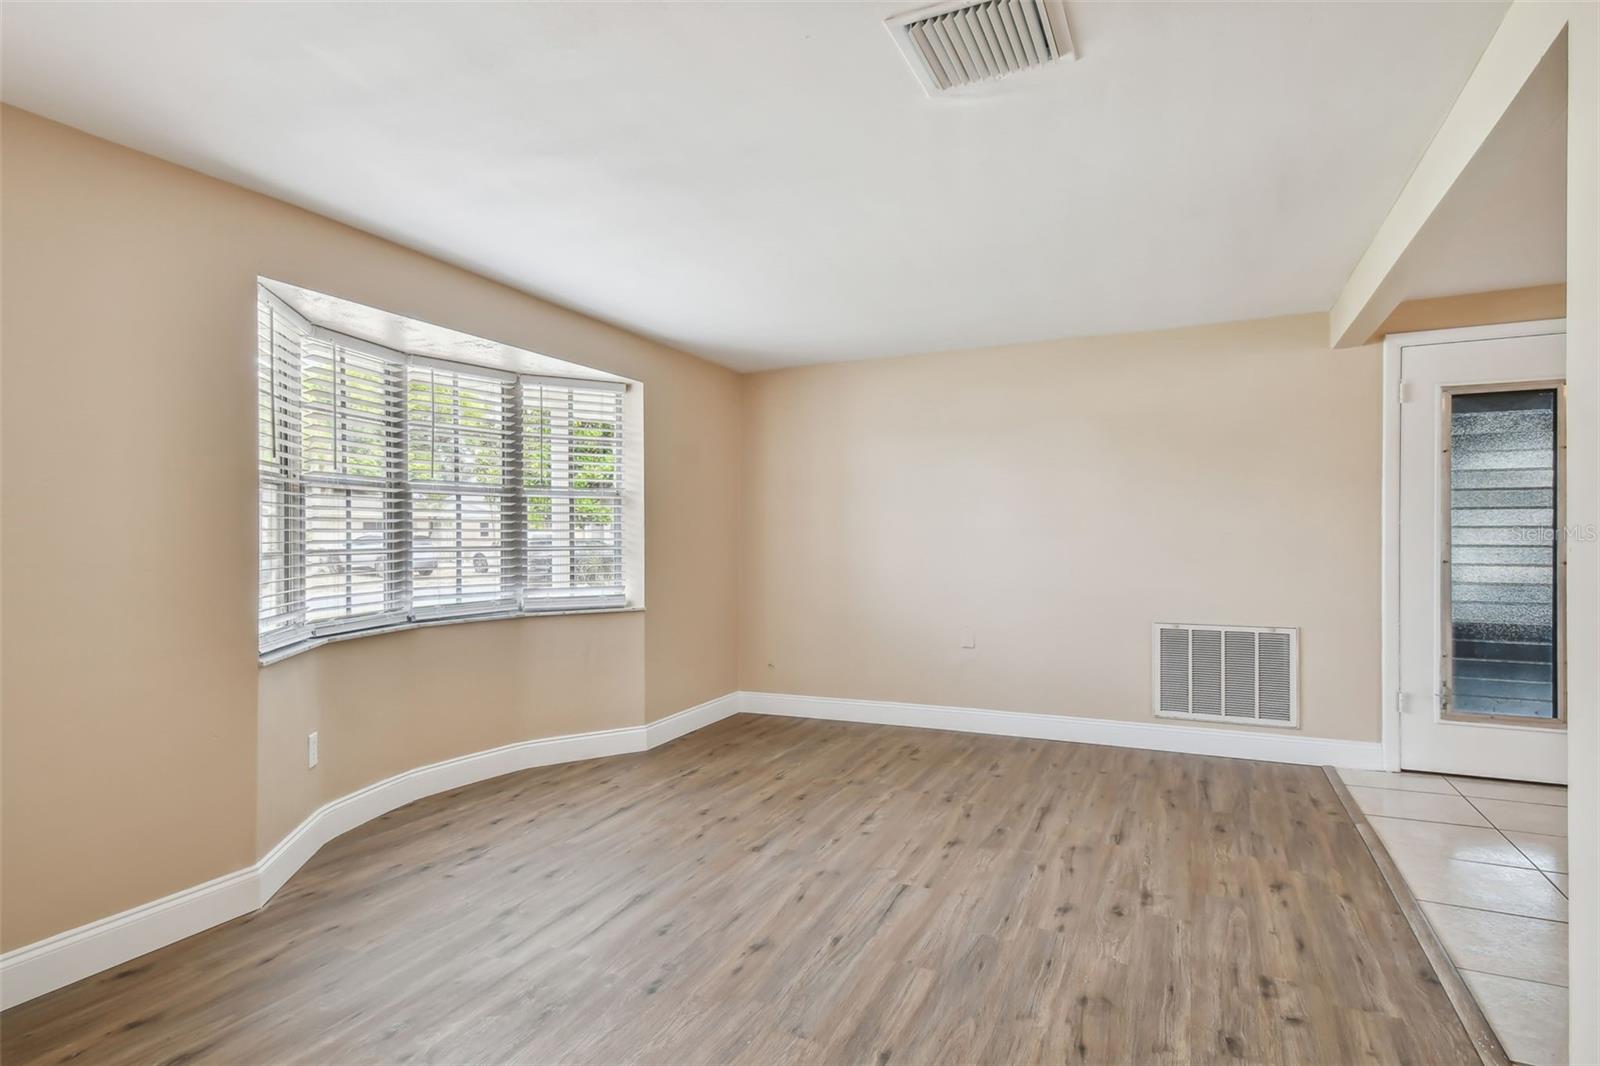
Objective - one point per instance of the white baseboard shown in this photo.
(339, 816)
(673, 726)
(49, 964)
(1272, 745)
(78, 953)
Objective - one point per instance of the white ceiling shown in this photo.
(765, 183)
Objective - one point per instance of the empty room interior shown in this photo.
(1008, 531)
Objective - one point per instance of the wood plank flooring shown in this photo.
(773, 890)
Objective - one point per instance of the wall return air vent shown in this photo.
(953, 45)
(1227, 674)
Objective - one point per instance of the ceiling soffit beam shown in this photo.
(1524, 36)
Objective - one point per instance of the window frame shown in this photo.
(1445, 551)
(291, 479)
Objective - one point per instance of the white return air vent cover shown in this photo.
(1227, 674)
(952, 45)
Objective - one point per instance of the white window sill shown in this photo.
(289, 651)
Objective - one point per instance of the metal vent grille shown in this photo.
(1227, 673)
(952, 45)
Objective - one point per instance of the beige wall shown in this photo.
(1057, 499)
(143, 749)
(1476, 309)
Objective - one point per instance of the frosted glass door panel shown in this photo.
(1503, 567)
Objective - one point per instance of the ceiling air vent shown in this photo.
(953, 45)
(1227, 674)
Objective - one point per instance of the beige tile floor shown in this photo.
(1487, 860)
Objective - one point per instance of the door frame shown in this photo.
(1393, 346)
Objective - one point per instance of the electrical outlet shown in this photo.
(311, 750)
(969, 639)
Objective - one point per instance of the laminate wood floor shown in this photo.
(773, 890)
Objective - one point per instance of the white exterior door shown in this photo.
(1481, 557)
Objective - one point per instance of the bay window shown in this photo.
(397, 489)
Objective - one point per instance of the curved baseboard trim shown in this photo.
(49, 964)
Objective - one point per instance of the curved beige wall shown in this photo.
(143, 749)
(1056, 500)
(385, 704)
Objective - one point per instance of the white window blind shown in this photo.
(351, 440)
(398, 488)
(572, 490)
(461, 451)
(281, 600)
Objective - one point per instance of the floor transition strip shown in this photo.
(1489, 1048)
